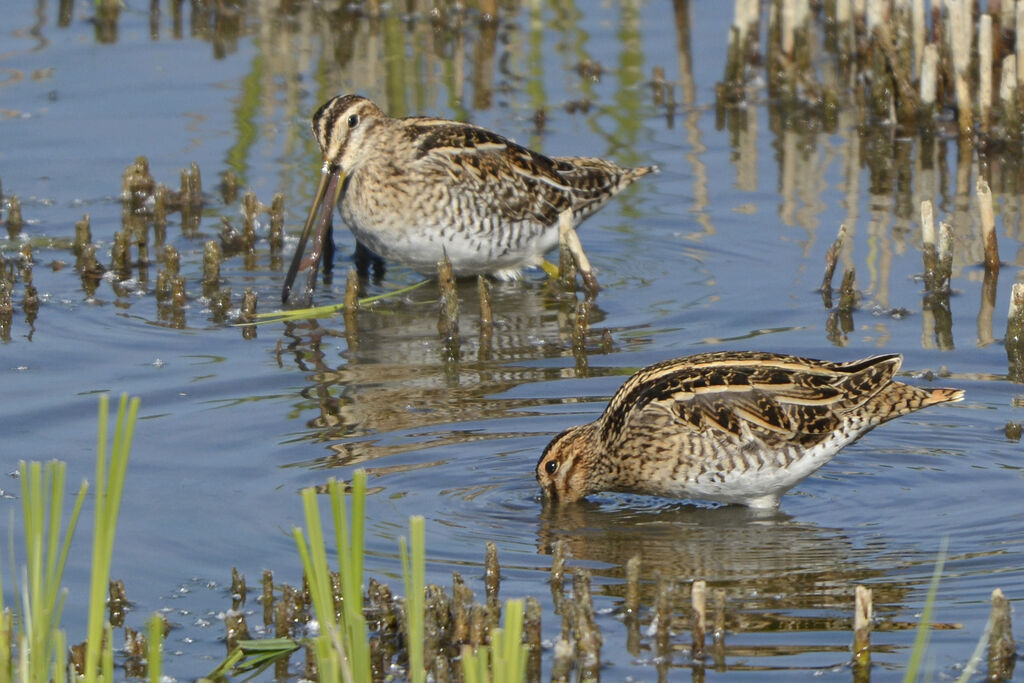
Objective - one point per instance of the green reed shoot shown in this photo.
(254, 655)
(42, 490)
(154, 648)
(342, 650)
(349, 540)
(507, 652)
(6, 633)
(921, 639)
(330, 660)
(328, 310)
(413, 572)
(109, 486)
(975, 661)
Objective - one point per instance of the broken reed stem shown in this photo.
(1008, 98)
(1002, 653)
(907, 97)
(862, 612)
(120, 254)
(588, 637)
(960, 27)
(250, 211)
(944, 258)
(351, 307)
(483, 288)
(228, 187)
(1014, 341)
(492, 574)
(663, 616)
(718, 634)
(580, 326)
(14, 220)
(532, 637)
(248, 313)
(160, 212)
(928, 252)
(212, 257)
(988, 225)
(698, 601)
(632, 603)
(984, 70)
(831, 258)
(558, 553)
(448, 320)
(929, 80)
(847, 291)
(562, 660)
(276, 236)
(462, 603)
(267, 596)
(165, 277)
(238, 587)
(83, 235)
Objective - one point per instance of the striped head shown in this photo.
(341, 127)
(564, 469)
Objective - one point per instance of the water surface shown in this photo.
(722, 250)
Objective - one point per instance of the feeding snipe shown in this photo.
(417, 188)
(732, 427)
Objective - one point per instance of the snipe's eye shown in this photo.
(353, 120)
(551, 466)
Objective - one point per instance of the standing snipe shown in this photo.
(417, 188)
(732, 427)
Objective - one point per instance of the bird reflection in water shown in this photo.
(779, 574)
(400, 389)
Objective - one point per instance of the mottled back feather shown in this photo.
(776, 399)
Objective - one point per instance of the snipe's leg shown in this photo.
(567, 236)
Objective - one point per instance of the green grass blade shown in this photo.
(329, 644)
(979, 649)
(224, 667)
(920, 648)
(349, 539)
(54, 475)
(413, 572)
(510, 653)
(328, 310)
(60, 649)
(109, 487)
(358, 529)
(317, 575)
(474, 665)
(94, 630)
(154, 648)
(107, 661)
(259, 654)
(6, 636)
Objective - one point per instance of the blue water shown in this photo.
(724, 249)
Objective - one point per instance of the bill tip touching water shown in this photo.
(730, 427)
(415, 189)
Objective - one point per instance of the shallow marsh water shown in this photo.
(724, 249)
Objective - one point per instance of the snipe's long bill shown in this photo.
(413, 190)
(731, 427)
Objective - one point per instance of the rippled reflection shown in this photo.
(401, 377)
(779, 574)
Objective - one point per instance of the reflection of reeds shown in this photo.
(911, 68)
(907, 71)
